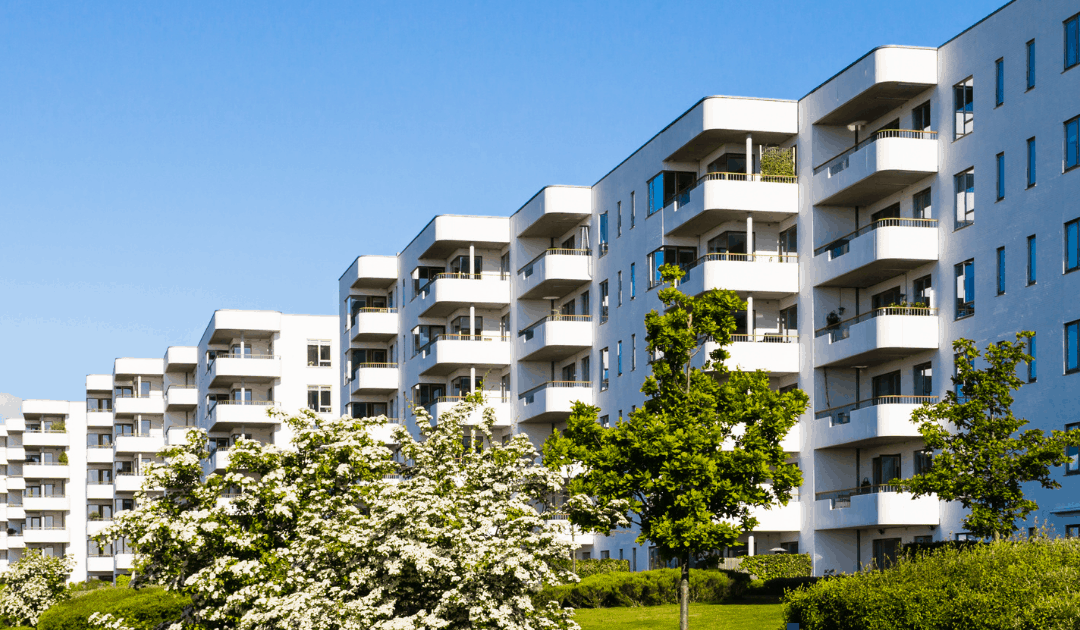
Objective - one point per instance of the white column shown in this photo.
(750, 317)
(750, 545)
(749, 156)
(472, 258)
(472, 319)
(472, 379)
(750, 237)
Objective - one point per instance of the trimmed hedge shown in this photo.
(595, 566)
(1011, 584)
(142, 608)
(781, 565)
(645, 588)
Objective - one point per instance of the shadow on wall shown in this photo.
(10, 406)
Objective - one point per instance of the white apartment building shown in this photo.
(873, 245)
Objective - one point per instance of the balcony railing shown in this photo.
(43, 529)
(752, 177)
(499, 275)
(554, 317)
(460, 337)
(842, 414)
(527, 269)
(489, 397)
(765, 338)
(842, 498)
(370, 309)
(841, 162)
(841, 330)
(29, 430)
(241, 355)
(842, 245)
(368, 366)
(529, 395)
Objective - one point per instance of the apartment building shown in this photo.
(873, 243)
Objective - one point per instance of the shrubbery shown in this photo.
(142, 608)
(646, 588)
(595, 566)
(1008, 584)
(781, 565)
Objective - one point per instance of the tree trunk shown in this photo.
(684, 594)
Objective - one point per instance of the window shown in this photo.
(1072, 347)
(1032, 373)
(924, 379)
(923, 461)
(923, 290)
(684, 257)
(618, 219)
(605, 421)
(1000, 176)
(318, 354)
(585, 306)
(603, 301)
(1072, 465)
(1072, 143)
(789, 241)
(999, 82)
(789, 320)
(318, 397)
(603, 369)
(1072, 531)
(1031, 64)
(633, 209)
(670, 186)
(604, 555)
(619, 276)
(1031, 259)
(965, 289)
(921, 207)
(1000, 270)
(633, 352)
(603, 234)
(1072, 41)
(965, 198)
(618, 358)
(1072, 245)
(964, 120)
(1031, 162)
(633, 281)
(920, 117)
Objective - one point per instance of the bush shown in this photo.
(646, 588)
(1010, 584)
(142, 608)
(778, 586)
(595, 566)
(122, 581)
(781, 565)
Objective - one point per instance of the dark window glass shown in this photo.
(965, 289)
(999, 81)
(1032, 372)
(1000, 176)
(1072, 347)
(1001, 270)
(1031, 162)
(1031, 260)
(1072, 41)
(922, 205)
(920, 117)
(1031, 64)
(1072, 143)
(1072, 245)
(964, 119)
(1072, 466)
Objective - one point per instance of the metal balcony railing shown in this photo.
(842, 245)
(529, 395)
(554, 317)
(527, 269)
(840, 330)
(752, 177)
(841, 162)
(840, 499)
(842, 414)
(766, 338)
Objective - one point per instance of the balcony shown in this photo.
(874, 506)
(219, 460)
(567, 532)
(501, 406)
(181, 358)
(870, 422)
(877, 167)
(129, 406)
(384, 433)
(15, 452)
(228, 414)
(874, 253)
(46, 535)
(768, 276)
(374, 324)
(99, 454)
(371, 272)
(881, 335)
(374, 378)
(41, 437)
(554, 273)
(137, 443)
(228, 368)
(129, 482)
(872, 86)
(16, 542)
(451, 352)
(16, 425)
(52, 503)
(99, 383)
(178, 434)
(554, 337)
(786, 518)
(446, 234)
(138, 367)
(13, 482)
(95, 526)
(100, 491)
(775, 353)
(46, 471)
(99, 564)
(448, 292)
(97, 418)
(181, 398)
(124, 561)
(553, 211)
(721, 197)
(552, 401)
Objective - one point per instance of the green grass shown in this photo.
(711, 616)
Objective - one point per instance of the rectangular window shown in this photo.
(922, 205)
(633, 209)
(603, 248)
(1000, 270)
(964, 119)
(1072, 245)
(965, 289)
(619, 276)
(633, 352)
(684, 257)
(1033, 374)
(1000, 176)
(603, 301)
(318, 354)
(618, 358)
(1031, 64)
(603, 369)
(999, 82)
(924, 379)
(633, 281)
(1072, 466)
(1072, 347)
(965, 198)
(1072, 531)
(1072, 143)
(1031, 162)
(924, 460)
(1031, 259)
(1072, 41)
(618, 219)
(670, 186)
(319, 398)
(920, 117)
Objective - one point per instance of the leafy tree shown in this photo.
(339, 532)
(702, 451)
(982, 459)
(31, 585)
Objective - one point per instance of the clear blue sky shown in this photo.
(162, 160)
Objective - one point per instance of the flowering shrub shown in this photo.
(31, 585)
(339, 532)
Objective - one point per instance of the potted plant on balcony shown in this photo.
(63, 459)
(94, 516)
(59, 427)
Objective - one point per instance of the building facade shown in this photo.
(872, 243)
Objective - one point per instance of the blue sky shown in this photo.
(162, 160)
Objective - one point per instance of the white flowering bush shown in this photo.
(341, 532)
(31, 585)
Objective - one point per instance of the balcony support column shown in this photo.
(749, 545)
(749, 156)
(472, 380)
(472, 259)
(472, 319)
(750, 238)
(750, 316)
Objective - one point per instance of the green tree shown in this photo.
(702, 451)
(982, 459)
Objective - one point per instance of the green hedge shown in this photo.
(142, 608)
(1011, 584)
(646, 588)
(595, 566)
(781, 565)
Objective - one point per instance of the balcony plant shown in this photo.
(94, 516)
(59, 427)
(777, 162)
(63, 459)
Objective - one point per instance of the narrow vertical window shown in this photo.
(620, 288)
(618, 219)
(1000, 270)
(922, 205)
(1072, 41)
(965, 198)
(618, 358)
(965, 289)
(1072, 245)
(1072, 143)
(633, 352)
(1031, 64)
(1032, 372)
(603, 369)
(1072, 347)
(999, 82)
(1031, 259)
(603, 234)
(964, 107)
(1031, 162)
(603, 301)
(633, 209)
(1072, 467)
(1000, 176)
(633, 280)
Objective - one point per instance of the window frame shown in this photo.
(1032, 367)
(1030, 48)
(999, 82)
(1032, 150)
(968, 193)
(1000, 161)
(633, 280)
(1074, 22)
(960, 270)
(1073, 225)
(1073, 122)
(1075, 325)
(1001, 270)
(1032, 260)
(964, 109)
(319, 345)
(1072, 451)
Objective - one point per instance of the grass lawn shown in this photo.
(718, 616)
